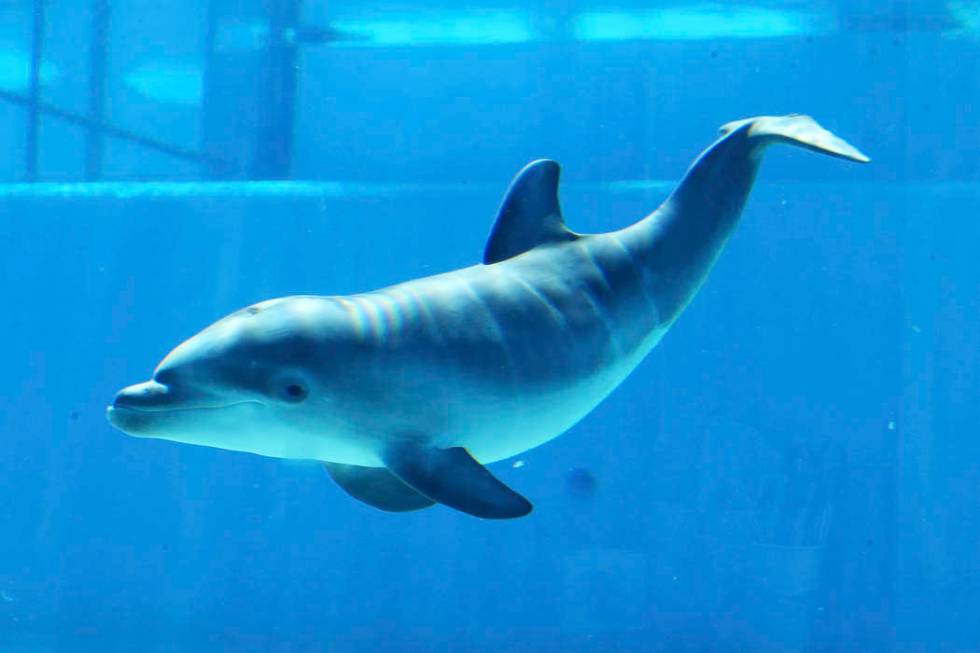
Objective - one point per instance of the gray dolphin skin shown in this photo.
(405, 393)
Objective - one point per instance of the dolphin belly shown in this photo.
(498, 359)
(505, 429)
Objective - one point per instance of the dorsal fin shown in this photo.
(529, 215)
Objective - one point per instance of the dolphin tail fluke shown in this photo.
(718, 182)
(687, 233)
(796, 129)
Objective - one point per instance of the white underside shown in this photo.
(491, 430)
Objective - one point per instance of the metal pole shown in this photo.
(95, 138)
(210, 35)
(34, 94)
(274, 136)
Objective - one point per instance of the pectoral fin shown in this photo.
(454, 478)
(377, 487)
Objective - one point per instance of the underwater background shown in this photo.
(796, 467)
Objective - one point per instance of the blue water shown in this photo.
(796, 467)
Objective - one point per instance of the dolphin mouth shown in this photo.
(144, 407)
(147, 411)
(113, 408)
(155, 397)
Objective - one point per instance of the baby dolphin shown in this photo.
(405, 393)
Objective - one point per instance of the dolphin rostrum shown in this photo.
(406, 392)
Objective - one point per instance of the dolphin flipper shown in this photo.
(454, 478)
(377, 487)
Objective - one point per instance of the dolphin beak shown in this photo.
(142, 396)
(134, 408)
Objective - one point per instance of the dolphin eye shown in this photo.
(294, 392)
(289, 386)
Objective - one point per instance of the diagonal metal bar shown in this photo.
(113, 131)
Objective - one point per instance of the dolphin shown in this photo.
(406, 392)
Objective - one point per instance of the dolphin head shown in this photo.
(257, 380)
